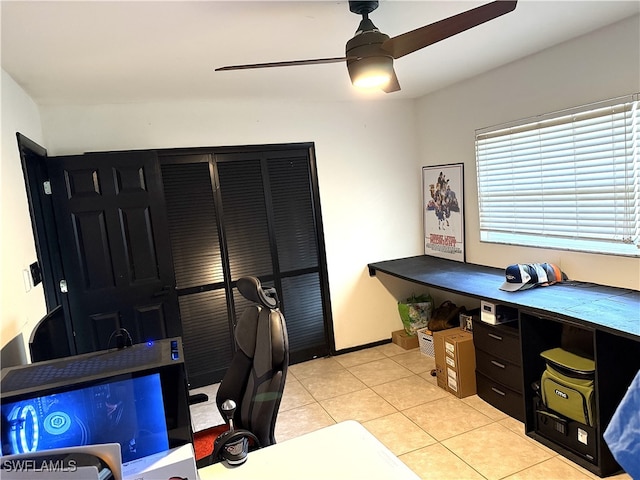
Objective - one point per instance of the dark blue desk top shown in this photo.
(611, 309)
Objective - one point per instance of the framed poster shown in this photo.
(443, 210)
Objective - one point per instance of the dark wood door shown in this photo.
(117, 260)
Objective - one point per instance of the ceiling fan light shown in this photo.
(372, 81)
(370, 72)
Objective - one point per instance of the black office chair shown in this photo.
(251, 390)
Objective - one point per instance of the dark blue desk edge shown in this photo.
(611, 309)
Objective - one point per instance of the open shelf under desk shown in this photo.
(607, 317)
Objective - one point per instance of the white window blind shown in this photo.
(568, 180)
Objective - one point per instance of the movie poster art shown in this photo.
(443, 201)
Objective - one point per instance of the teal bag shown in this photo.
(567, 385)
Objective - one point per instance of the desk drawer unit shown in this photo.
(502, 371)
(498, 366)
(502, 341)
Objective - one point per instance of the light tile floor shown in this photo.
(391, 392)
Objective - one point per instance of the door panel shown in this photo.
(92, 249)
(293, 216)
(192, 219)
(207, 339)
(151, 321)
(303, 310)
(118, 269)
(140, 255)
(246, 228)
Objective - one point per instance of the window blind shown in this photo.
(567, 180)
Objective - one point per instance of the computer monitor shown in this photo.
(136, 397)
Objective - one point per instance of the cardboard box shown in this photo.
(438, 346)
(455, 362)
(406, 341)
(460, 358)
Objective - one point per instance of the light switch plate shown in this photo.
(26, 278)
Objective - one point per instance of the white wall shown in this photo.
(20, 309)
(597, 66)
(366, 156)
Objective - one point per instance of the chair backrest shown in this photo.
(256, 376)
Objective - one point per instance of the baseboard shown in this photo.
(362, 347)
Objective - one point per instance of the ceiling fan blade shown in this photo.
(283, 64)
(409, 42)
(393, 85)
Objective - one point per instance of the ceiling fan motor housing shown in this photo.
(367, 44)
(364, 52)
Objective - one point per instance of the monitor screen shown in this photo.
(128, 410)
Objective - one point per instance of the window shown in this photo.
(567, 180)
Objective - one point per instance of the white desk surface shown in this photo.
(345, 450)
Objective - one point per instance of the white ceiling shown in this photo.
(90, 52)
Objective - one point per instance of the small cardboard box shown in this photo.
(455, 361)
(406, 341)
(460, 360)
(438, 346)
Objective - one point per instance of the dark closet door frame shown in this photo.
(34, 167)
(35, 171)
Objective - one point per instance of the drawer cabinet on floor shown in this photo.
(499, 366)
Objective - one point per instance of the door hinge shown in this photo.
(63, 286)
(47, 187)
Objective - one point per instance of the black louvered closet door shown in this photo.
(272, 230)
(251, 211)
(299, 260)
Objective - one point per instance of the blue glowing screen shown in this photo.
(129, 412)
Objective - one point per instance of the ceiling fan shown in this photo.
(370, 53)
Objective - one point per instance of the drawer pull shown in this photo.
(494, 336)
(498, 364)
(498, 391)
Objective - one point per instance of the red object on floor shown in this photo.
(203, 440)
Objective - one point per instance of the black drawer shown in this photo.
(501, 341)
(502, 371)
(501, 397)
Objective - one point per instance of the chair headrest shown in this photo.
(251, 289)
